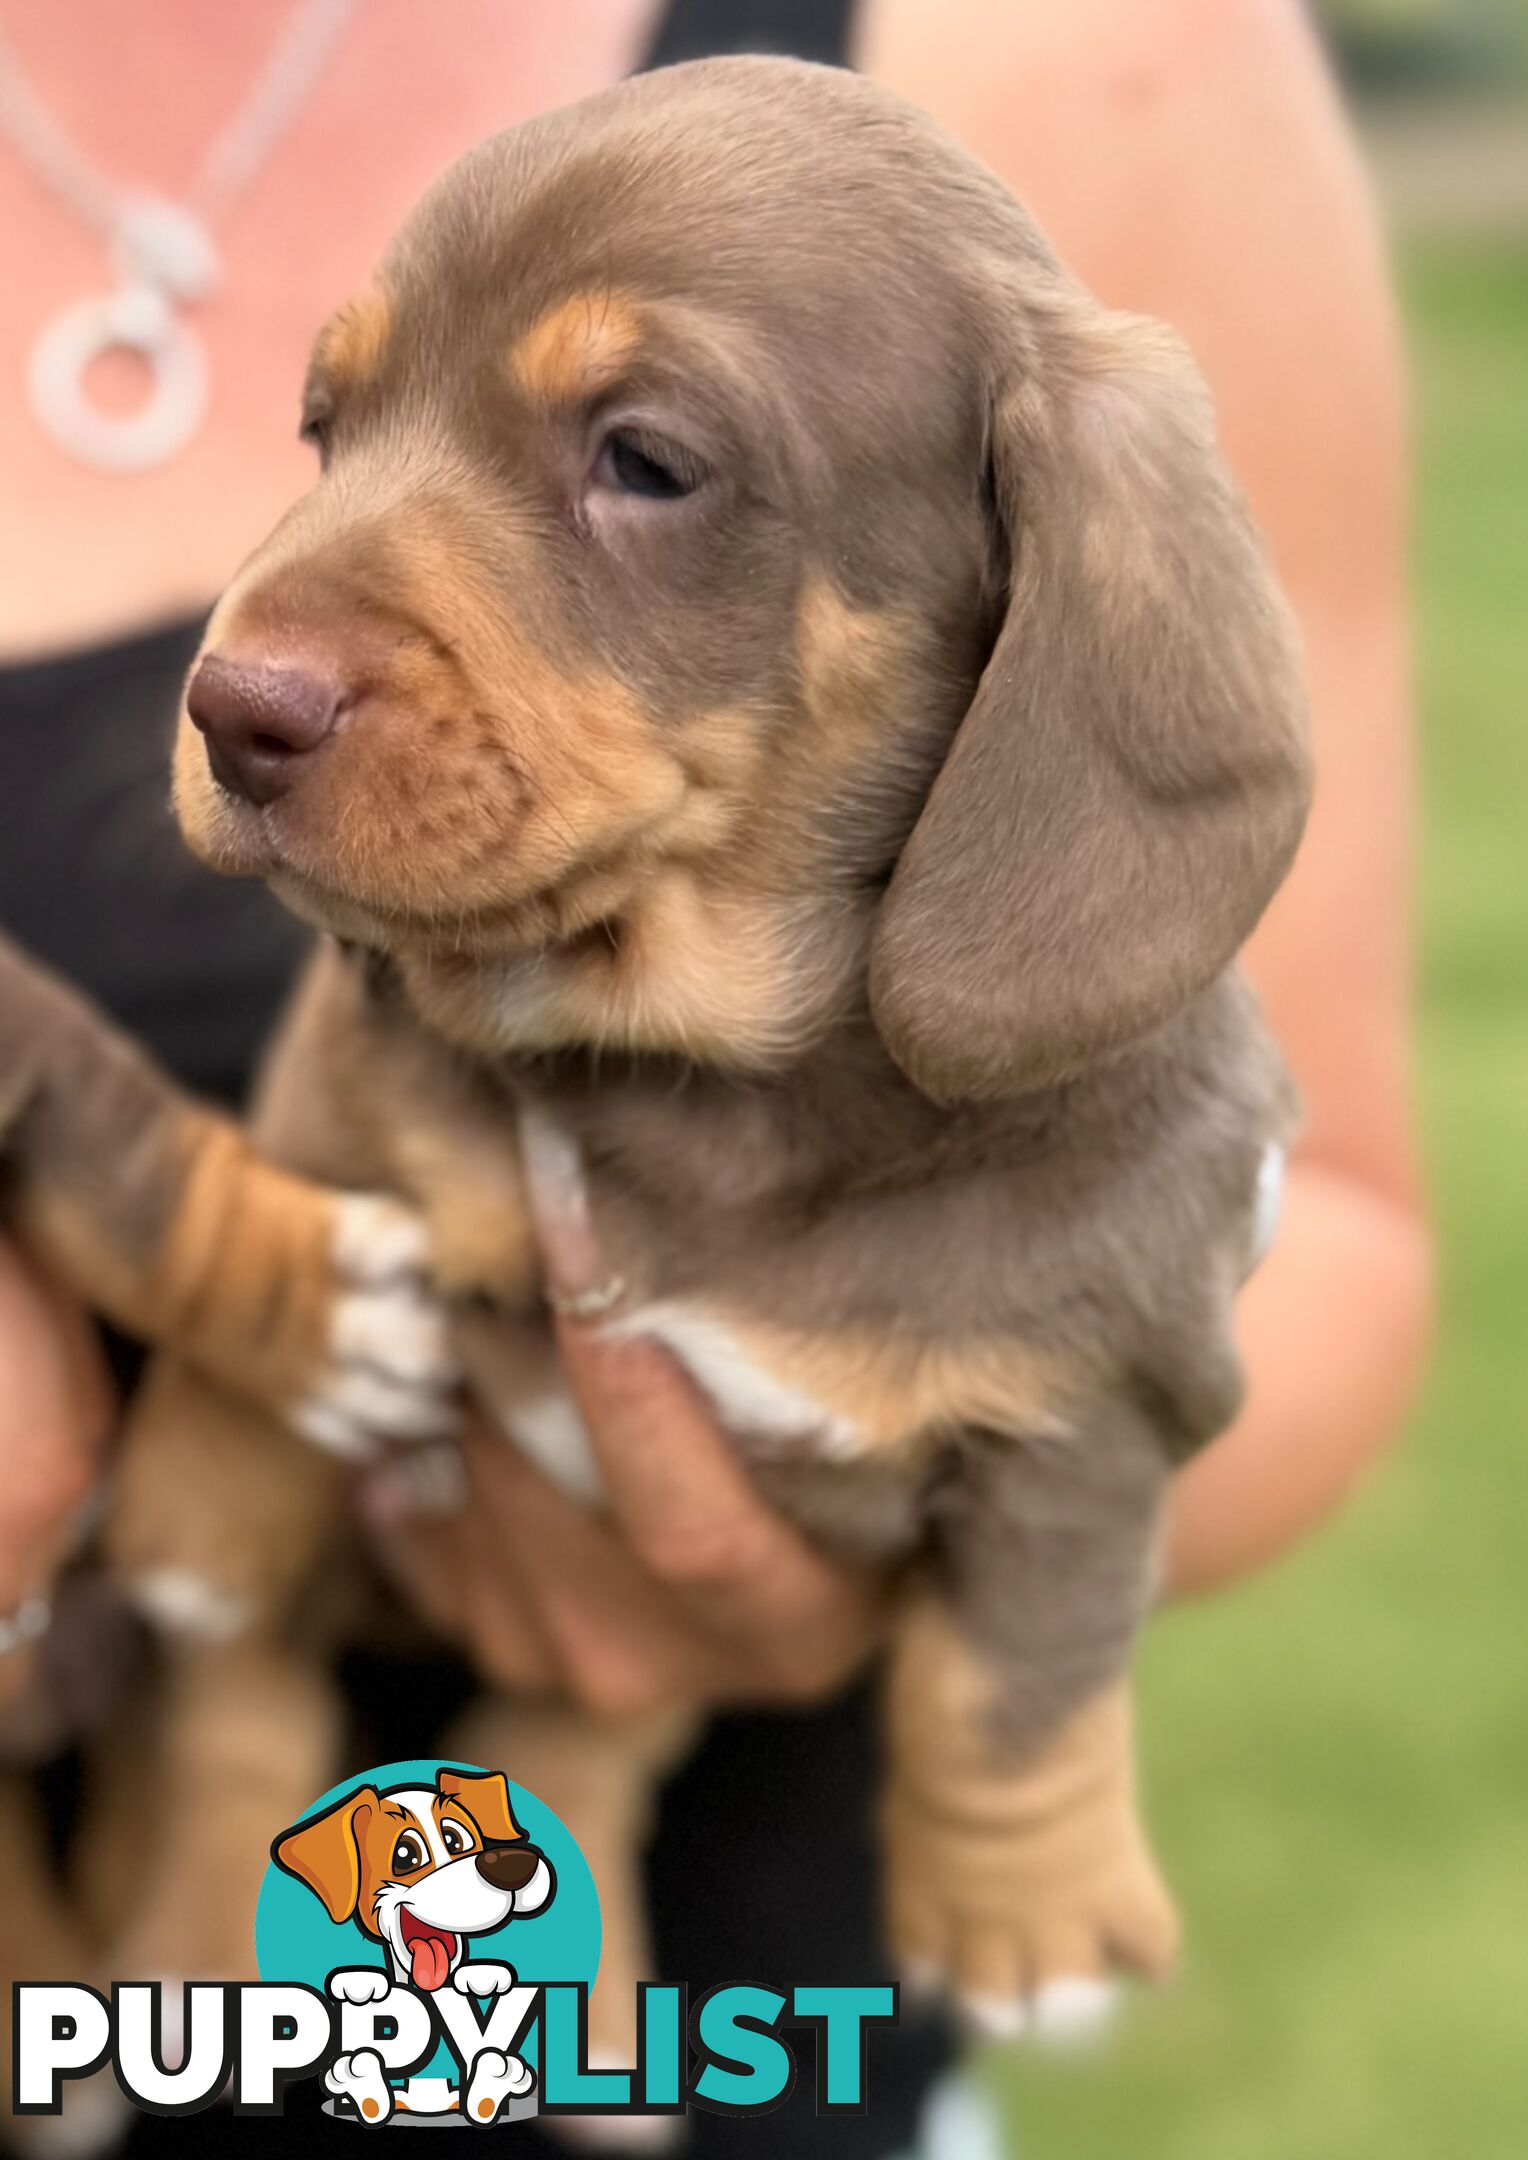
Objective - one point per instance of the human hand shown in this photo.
(686, 1588)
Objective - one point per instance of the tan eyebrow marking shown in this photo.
(351, 344)
(575, 347)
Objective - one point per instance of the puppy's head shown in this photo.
(421, 1870)
(743, 568)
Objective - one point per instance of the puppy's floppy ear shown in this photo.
(486, 1799)
(1127, 789)
(325, 1852)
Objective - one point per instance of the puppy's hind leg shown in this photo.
(248, 1738)
(1018, 1871)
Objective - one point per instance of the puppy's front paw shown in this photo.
(388, 1372)
(1029, 1898)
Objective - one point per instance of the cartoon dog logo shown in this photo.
(420, 1870)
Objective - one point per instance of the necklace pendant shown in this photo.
(139, 318)
(160, 242)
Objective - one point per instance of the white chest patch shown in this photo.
(749, 1401)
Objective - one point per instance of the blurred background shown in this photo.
(1338, 1757)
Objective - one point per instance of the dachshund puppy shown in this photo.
(775, 678)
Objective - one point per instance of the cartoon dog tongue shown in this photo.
(429, 1959)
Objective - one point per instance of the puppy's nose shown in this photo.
(260, 722)
(508, 1867)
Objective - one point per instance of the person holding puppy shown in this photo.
(693, 1586)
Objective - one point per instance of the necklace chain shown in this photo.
(162, 248)
(233, 158)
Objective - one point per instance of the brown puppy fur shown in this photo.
(817, 721)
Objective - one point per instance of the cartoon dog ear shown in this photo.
(1128, 786)
(325, 1852)
(486, 1799)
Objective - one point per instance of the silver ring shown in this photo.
(140, 320)
(590, 1304)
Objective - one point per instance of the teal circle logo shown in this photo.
(310, 1921)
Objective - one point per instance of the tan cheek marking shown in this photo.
(575, 347)
(687, 966)
(351, 345)
(608, 779)
(700, 969)
(584, 775)
(635, 802)
(863, 674)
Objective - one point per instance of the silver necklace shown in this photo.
(162, 252)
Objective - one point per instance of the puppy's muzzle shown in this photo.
(508, 1867)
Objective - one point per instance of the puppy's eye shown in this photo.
(639, 464)
(409, 1853)
(454, 1837)
(317, 415)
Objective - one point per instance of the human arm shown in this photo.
(1193, 163)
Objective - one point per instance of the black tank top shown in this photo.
(93, 875)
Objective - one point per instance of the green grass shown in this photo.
(1338, 1756)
